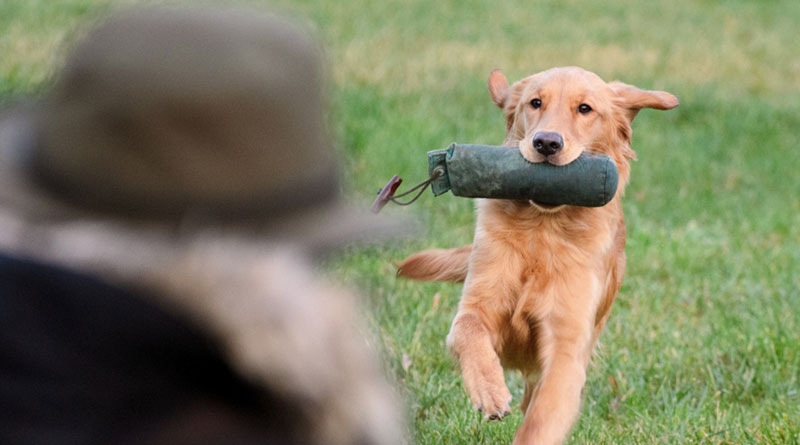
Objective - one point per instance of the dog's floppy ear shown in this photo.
(498, 87)
(630, 100)
(634, 99)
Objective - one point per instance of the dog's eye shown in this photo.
(536, 103)
(584, 109)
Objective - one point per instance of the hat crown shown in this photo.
(163, 111)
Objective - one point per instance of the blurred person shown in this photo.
(159, 212)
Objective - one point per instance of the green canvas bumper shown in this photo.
(485, 171)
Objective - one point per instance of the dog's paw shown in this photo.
(491, 399)
(495, 405)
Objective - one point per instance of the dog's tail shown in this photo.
(436, 265)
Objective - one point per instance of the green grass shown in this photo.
(703, 345)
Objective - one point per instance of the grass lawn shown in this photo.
(703, 345)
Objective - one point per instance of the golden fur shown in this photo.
(540, 280)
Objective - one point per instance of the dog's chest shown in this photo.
(560, 262)
(550, 257)
(558, 276)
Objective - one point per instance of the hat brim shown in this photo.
(321, 227)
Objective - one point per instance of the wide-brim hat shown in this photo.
(198, 116)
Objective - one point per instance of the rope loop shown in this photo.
(435, 174)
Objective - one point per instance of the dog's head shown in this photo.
(555, 115)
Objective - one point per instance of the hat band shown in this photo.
(289, 197)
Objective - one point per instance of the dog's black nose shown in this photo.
(547, 143)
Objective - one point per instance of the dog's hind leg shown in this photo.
(526, 397)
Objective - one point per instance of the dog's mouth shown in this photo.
(557, 160)
(543, 206)
(546, 208)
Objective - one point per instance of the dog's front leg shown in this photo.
(490, 290)
(566, 342)
(557, 398)
(470, 342)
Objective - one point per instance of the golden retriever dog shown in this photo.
(539, 280)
